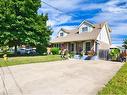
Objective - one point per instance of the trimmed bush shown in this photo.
(55, 51)
(114, 53)
(72, 54)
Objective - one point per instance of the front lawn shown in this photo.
(27, 60)
(118, 84)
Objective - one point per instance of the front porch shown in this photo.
(77, 47)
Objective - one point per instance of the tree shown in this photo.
(21, 24)
(125, 44)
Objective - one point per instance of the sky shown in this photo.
(96, 11)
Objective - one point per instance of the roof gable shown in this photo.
(87, 23)
(104, 34)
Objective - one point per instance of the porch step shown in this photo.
(90, 57)
(86, 57)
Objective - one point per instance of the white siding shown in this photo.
(64, 34)
(85, 25)
(104, 35)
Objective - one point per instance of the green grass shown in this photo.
(118, 84)
(26, 60)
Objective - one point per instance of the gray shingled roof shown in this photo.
(73, 31)
(74, 36)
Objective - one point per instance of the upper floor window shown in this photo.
(84, 29)
(61, 34)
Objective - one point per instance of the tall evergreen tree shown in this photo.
(21, 24)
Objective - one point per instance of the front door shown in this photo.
(79, 47)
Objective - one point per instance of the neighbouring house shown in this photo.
(86, 36)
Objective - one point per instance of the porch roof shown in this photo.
(77, 37)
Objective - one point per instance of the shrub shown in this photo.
(114, 53)
(55, 51)
(71, 54)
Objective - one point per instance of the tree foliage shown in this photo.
(21, 24)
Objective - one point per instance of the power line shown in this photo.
(53, 7)
(61, 11)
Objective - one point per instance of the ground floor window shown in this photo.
(72, 47)
(88, 46)
(58, 45)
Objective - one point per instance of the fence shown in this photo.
(104, 54)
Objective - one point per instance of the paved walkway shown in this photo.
(70, 77)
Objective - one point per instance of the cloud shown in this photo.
(120, 28)
(112, 11)
(56, 17)
(113, 14)
(59, 20)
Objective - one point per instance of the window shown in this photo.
(88, 48)
(71, 47)
(61, 34)
(84, 29)
(58, 45)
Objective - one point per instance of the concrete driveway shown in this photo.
(70, 77)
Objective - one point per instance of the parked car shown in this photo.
(21, 51)
(30, 51)
(26, 51)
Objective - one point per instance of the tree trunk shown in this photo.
(15, 50)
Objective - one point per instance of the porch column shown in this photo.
(67, 46)
(84, 46)
(97, 47)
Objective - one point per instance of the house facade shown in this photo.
(86, 37)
